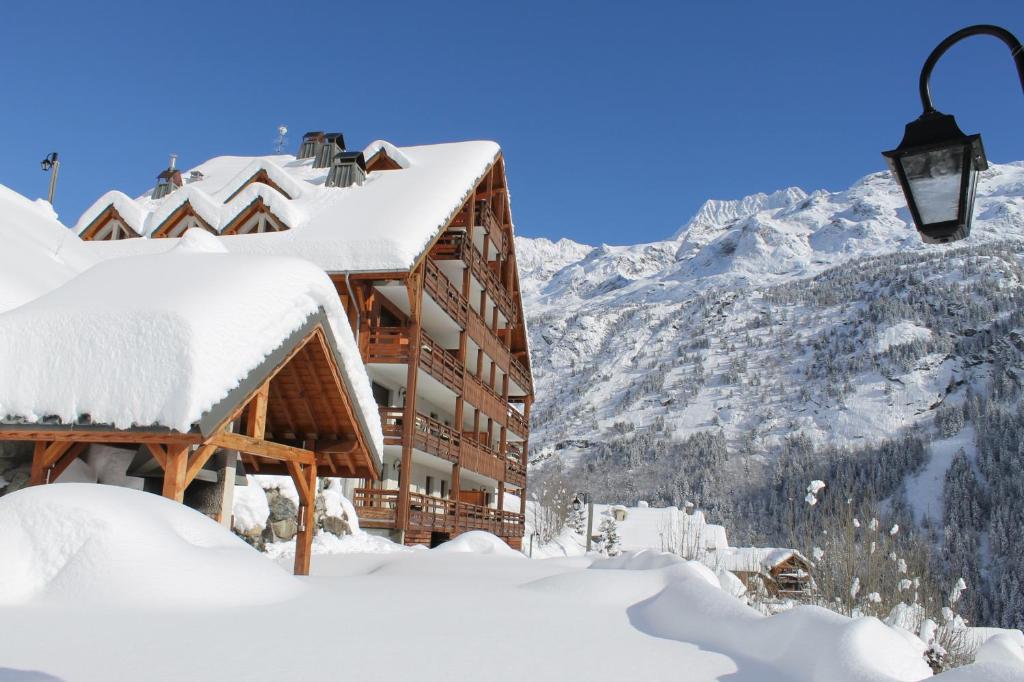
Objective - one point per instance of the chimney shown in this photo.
(346, 169)
(168, 181)
(332, 144)
(311, 143)
(194, 176)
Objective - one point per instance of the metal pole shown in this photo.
(53, 177)
(1016, 51)
(590, 521)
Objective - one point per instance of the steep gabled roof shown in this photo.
(385, 224)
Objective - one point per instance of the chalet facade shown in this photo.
(418, 242)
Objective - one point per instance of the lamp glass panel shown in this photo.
(934, 178)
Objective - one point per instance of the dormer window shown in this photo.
(168, 181)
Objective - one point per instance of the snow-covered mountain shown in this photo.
(680, 329)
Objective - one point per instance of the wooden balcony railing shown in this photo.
(391, 345)
(483, 397)
(388, 345)
(429, 435)
(441, 365)
(444, 293)
(485, 217)
(482, 459)
(517, 423)
(518, 374)
(456, 246)
(515, 473)
(485, 337)
(378, 509)
(432, 513)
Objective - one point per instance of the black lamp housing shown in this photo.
(937, 166)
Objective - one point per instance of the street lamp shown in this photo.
(936, 164)
(52, 164)
(578, 501)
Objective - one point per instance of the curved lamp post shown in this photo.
(936, 164)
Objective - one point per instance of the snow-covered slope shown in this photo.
(733, 324)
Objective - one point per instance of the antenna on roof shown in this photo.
(279, 146)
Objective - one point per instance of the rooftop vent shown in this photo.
(311, 142)
(168, 181)
(195, 176)
(347, 169)
(332, 144)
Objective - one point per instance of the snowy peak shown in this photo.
(718, 213)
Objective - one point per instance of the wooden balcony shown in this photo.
(515, 473)
(444, 293)
(517, 423)
(379, 509)
(485, 218)
(391, 345)
(448, 297)
(376, 508)
(429, 435)
(483, 397)
(482, 459)
(485, 337)
(456, 246)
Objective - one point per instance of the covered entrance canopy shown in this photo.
(279, 381)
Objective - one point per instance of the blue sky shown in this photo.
(617, 119)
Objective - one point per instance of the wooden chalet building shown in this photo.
(419, 244)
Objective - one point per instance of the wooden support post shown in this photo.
(409, 414)
(38, 474)
(305, 483)
(501, 496)
(175, 472)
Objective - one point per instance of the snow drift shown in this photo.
(84, 545)
(478, 542)
(807, 643)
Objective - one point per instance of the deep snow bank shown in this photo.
(478, 542)
(84, 545)
(807, 643)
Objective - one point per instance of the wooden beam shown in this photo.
(174, 473)
(73, 453)
(263, 448)
(99, 436)
(256, 416)
(159, 453)
(305, 481)
(38, 473)
(197, 460)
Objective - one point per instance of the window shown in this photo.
(444, 489)
(430, 485)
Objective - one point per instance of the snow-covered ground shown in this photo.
(108, 583)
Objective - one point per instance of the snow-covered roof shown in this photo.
(384, 224)
(161, 339)
(37, 253)
(755, 558)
